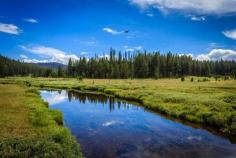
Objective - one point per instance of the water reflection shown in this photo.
(95, 98)
(54, 97)
(107, 127)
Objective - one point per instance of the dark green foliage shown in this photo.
(192, 79)
(57, 116)
(60, 72)
(182, 79)
(147, 65)
(126, 65)
(226, 77)
(205, 79)
(59, 144)
(80, 78)
(10, 67)
(216, 77)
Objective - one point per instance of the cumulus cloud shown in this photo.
(230, 34)
(218, 54)
(214, 7)
(10, 29)
(26, 59)
(51, 54)
(113, 32)
(31, 20)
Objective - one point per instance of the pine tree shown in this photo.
(70, 68)
(59, 72)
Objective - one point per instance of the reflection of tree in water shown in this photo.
(96, 98)
(59, 91)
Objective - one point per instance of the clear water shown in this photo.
(108, 128)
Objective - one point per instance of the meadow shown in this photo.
(196, 99)
(29, 128)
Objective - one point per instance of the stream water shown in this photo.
(107, 128)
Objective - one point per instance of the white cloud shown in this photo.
(31, 20)
(132, 49)
(26, 59)
(230, 34)
(202, 57)
(107, 56)
(112, 31)
(216, 7)
(22, 56)
(218, 54)
(51, 54)
(138, 47)
(196, 18)
(10, 29)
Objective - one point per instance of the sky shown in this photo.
(56, 30)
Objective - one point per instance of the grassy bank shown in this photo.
(29, 128)
(199, 100)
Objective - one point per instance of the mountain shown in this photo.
(51, 65)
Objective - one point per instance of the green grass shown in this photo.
(29, 128)
(200, 100)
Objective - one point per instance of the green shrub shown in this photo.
(226, 77)
(205, 79)
(216, 77)
(182, 79)
(57, 116)
(192, 79)
(59, 144)
(80, 78)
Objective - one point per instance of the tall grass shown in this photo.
(36, 131)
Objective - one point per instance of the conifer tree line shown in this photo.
(124, 65)
(147, 65)
(9, 67)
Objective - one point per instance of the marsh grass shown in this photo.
(198, 99)
(29, 128)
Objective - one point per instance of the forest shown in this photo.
(124, 65)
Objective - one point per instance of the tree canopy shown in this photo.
(124, 65)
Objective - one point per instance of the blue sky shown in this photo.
(56, 30)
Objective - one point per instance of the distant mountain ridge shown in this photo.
(51, 65)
